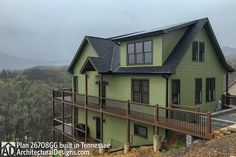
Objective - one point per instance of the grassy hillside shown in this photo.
(25, 102)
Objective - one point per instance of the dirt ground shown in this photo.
(223, 147)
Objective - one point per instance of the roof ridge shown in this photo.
(161, 29)
(98, 38)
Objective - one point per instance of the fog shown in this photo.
(53, 29)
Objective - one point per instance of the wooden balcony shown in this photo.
(185, 120)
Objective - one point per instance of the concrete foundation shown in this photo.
(127, 147)
(156, 143)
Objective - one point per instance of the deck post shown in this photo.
(86, 110)
(63, 116)
(101, 108)
(156, 143)
(128, 121)
(209, 122)
(156, 118)
(53, 115)
(73, 117)
(128, 141)
(227, 90)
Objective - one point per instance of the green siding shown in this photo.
(88, 51)
(119, 86)
(187, 71)
(157, 52)
(170, 40)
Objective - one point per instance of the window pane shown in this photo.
(144, 98)
(194, 51)
(144, 86)
(201, 52)
(140, 130)
(147, 46)
(136, 85)
(139, 58)
(130, 48)
(176, 91)
(136, 96)
(148, 57)
(198, 91)
(131, 58)
(139, 47)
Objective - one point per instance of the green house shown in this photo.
(180, 64)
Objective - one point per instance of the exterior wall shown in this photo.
(119, 87)
(170, 40)
(187, 71)
(88, 51)
(157, 52)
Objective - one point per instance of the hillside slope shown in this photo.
(17, 63)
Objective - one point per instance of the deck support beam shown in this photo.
(227, 90)
(63, 116)
(128, 122)
(53, 116)
(101, 108)
(156, 119)
(86, 110)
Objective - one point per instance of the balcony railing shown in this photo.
(186, 120)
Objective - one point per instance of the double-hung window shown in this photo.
(198, 91)
(210, 89)
(198, 51)
(140, 91)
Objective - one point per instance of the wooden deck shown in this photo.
(188, 122)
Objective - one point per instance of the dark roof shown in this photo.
(108, 50)
(149, 33)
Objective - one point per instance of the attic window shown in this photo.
(139, 52)
(198, 51)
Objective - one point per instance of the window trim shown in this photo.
(214, 94)
(142, 126)
(197, 103)
(140, 98)
(143, 53)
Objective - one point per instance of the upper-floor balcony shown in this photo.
(187, 120)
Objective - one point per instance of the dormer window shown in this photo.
(139, 52)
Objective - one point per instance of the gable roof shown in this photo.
(108, 50)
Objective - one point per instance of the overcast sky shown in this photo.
(53, 29)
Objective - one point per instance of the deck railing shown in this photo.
(228, 99)
(187, 120)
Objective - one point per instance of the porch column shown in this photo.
(86, 110)
(101, 106)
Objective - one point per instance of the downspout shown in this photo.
(167, 93)
(167, 89)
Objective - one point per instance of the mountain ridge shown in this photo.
(18, 63)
